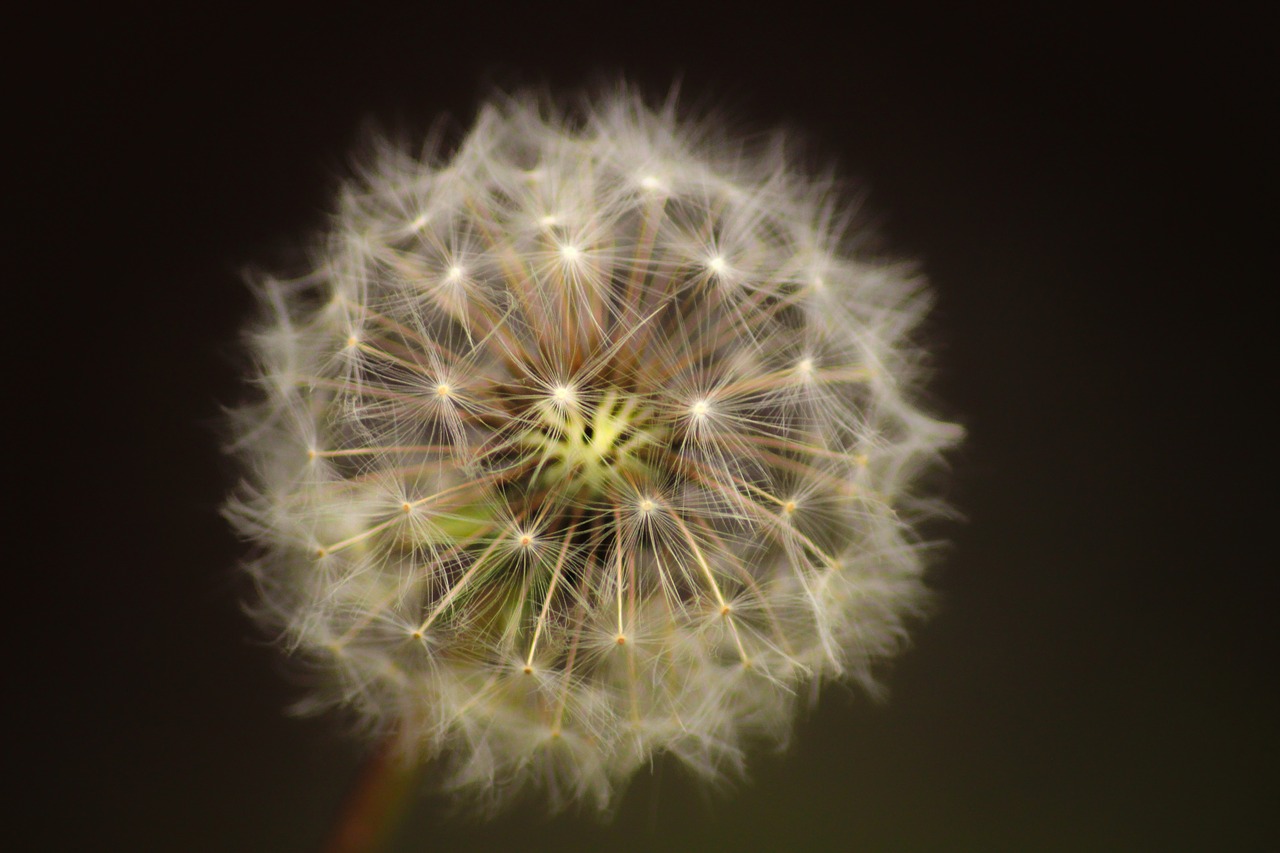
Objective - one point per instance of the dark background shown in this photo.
(1089, 193)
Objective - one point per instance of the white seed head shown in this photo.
(549, 501)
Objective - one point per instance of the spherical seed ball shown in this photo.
(592, 441)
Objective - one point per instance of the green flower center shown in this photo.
(591, 447)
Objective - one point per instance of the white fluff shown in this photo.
(591, 442)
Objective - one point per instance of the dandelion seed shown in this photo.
(548, 514)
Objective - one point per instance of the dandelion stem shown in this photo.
(369, 817)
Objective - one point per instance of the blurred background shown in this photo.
(1089, 195)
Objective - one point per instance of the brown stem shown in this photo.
(373, 806)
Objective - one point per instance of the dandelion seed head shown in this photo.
(532, 494)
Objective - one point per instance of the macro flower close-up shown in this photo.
(594, 439)
(630, 428)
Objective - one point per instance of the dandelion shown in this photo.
(592, 442)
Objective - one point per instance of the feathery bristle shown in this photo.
(591, 442)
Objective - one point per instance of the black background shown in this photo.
(1087, 189)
